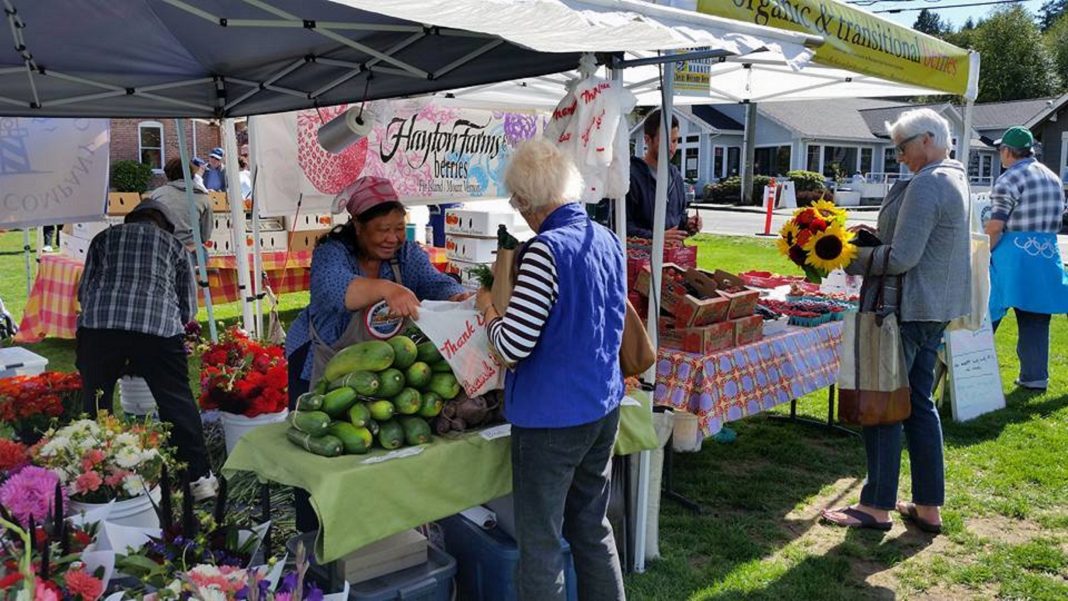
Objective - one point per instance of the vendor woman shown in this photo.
(365, 279)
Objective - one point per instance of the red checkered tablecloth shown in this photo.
(52, 308)
(746, 380)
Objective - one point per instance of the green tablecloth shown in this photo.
(358, 503)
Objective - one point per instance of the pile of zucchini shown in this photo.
(374, 393)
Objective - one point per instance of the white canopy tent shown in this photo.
(229, 58)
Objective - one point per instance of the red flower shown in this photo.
(12, 454)
(818, 225)
(81, 583)
(12, 578)
(806, 217)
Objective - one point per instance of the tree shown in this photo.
(1016, 64)
(1057, 41)
(930, 23)
(1051, 11)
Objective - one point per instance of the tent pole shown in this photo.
(257, 260)
(964, 142)
(749, 151)
(619, 205)
(194, 221)
(237, 219)
(657, 266)
(27, 250)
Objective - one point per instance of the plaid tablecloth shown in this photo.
(52, 308)
(746, 380)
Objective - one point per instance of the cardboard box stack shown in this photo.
(701, 311)
(471, 237)
(76, 236)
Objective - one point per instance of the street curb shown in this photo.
(761, 211)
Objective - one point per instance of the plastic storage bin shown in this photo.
(17, 361)
(487, 561)
(431, 581)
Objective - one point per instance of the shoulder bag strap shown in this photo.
(398, 277)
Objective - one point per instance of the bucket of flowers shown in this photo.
(817, 241)
(105, 459)
(246, 381)
(42, 548)
(28, 404)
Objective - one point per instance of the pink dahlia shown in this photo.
(30, 492)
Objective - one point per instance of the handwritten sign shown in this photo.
(974, 378)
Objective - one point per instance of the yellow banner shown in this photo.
(858, 41)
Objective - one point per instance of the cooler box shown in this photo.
(17, 361)
(487, 561)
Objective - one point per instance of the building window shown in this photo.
(981, 168)
(691, 172)
(813, 162)
(772, 160)
(718, 162)
(839, 161)
(1064, 157)
(890, 164)
(693, 139)
(150, 144)
(734, 160)
(865, 161)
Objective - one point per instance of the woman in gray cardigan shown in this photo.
(924, 232)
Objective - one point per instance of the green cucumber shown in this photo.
(314, 423)
(373, 355)
(390, 434)
(356, 441)
(416, 430)
(326, 445)
(365, 383)
(359, 415)
(337, 402)
(309, 401)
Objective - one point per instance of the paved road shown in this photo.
(733, 223)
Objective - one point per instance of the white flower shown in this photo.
(83, 427)
(127, 440)
(89, 442)
(133, 485)
(149, 455)
(57, 444)
(127, 458)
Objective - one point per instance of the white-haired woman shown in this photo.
(562, 329)
(924, 232)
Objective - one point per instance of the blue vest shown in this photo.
(572, 377)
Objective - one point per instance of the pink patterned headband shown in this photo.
(364, 193)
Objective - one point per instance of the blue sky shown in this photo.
(956, 16)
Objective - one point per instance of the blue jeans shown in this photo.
(560, 483)
(923, 429)
(1032, 347)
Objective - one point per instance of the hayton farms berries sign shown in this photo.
(428, 152)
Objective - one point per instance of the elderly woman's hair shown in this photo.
(921, 121)
(539, 174)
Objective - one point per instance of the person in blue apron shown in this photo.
(366, 280)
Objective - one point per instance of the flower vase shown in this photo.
(135, 511)
(235, 426)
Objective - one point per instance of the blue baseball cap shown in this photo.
(198, 162)
(217, 153)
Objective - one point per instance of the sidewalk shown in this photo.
(761, 210)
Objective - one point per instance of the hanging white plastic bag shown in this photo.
(459, 332)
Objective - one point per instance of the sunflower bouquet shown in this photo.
(817, 241)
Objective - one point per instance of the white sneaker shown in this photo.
(205, 487)
(47, 248)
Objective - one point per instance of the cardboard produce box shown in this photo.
(481, 222)
(743, 300)
(306, 240)
(748, 329)
(76, 248)
(472, 250)
(466, 271)
(121, 203)
(310, 222)
(689, 310)
(269, 241)
(392, 554)
(221, 243)
(219, 204)
(703, 340)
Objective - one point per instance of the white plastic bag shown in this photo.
(459, 331)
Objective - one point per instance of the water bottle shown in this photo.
(428, 235)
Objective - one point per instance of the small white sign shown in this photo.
(497, 432)
(974, 377)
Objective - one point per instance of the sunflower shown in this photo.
(831, 249)
(787, 237)
(829, 212)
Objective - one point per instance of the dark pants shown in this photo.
(104, 356)
(49, 232)
(306, 519)
(560, 483)
(1032, 347)
(923, 429)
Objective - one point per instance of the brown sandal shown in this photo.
(863, 519)
(908, 512)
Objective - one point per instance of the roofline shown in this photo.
(1043, 115)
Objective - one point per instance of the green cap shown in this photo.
(1016, 137)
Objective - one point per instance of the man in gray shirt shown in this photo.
(172, 195)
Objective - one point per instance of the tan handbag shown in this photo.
(636, 353)
(873, 381)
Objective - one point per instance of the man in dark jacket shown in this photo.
(642, 195)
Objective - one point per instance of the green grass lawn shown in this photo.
(758, 538)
